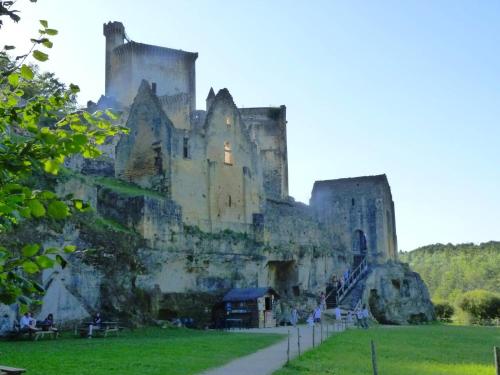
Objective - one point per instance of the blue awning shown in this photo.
(247, 294)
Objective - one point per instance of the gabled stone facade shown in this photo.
(144, 156)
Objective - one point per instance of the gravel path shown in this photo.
(272, 358)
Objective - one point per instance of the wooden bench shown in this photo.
(109, 329)
(51, 334)
(103, 330)
(11, 370)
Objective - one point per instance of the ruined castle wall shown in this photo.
(177, 108)
(190, 178)
(268, 127)
(348, 206)
(144, 156)
(289, 222)
(292, 233)
(172, 71)
(234, 173)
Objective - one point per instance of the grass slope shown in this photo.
(148, 351)
(417, 350)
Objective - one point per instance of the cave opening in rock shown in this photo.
(283, 277)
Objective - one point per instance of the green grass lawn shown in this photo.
(145, 351)
(415, 350)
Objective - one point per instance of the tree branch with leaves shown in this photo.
(39, 130)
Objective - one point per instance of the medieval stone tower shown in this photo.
(171, 72)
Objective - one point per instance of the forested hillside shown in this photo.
(449, 270)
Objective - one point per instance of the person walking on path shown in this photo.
(322, 301)
(365, 315)
(294, 316)
(349, 317)
(359, 318)
(338, 314)
(310, 320)
(317, 314)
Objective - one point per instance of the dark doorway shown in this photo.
(359, 247)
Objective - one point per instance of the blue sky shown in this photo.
(406, 88)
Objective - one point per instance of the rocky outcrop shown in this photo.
(397, 295)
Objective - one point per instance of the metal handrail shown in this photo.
(351, 280)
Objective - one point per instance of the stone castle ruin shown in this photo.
(194, 202)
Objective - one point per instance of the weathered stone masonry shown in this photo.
(206, 194)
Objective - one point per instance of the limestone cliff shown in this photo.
(397, 295)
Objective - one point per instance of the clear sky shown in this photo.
(406, 88)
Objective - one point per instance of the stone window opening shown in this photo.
(158, 161)
(229, 201)
(185, 148)
(228, 122)
(353, 202)
(153, 87)
(228, 154)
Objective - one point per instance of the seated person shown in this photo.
(96, 324)
(48, 323)
(28, 324)
(310, 320)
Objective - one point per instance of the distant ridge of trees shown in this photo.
(450, 270)
(466, 276)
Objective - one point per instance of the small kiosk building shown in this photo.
(250, 307)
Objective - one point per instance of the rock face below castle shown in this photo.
(194, 202)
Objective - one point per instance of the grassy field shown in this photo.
(418, 350)
(146, 351)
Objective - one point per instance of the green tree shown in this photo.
(481, 305)
(450, 270)
(39, 128)
(444, 311)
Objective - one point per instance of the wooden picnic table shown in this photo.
(104, 327)
(45, 330)
(41, 333)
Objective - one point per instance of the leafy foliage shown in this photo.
(39, 129)
(450, 270)
(481, 304)
(444, 311)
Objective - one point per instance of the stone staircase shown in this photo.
(353, 296)
(350, 293)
